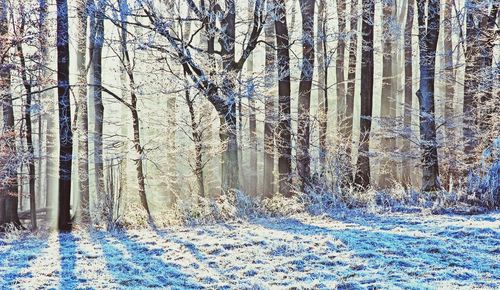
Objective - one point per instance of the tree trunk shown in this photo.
(449, 77)
(65, 133)
(227, 112)
(471, 80)
(253, 181)
(83, 210)
(388, 168)
(407, 169)
(9, 191)
(449, 70)
(284, 140)
(351, 78)
(228, 136)
(304, 104)
(269, 110)
(252, 119)
(428, 38)
(172, 109)
(29, 129)
(321, 52)
(198, 145)
(95, 53)
(339, 64)
(363, 163)
(135, 115)
(51, 173)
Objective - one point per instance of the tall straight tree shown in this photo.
(96, 41)
(27, 118)
(252, 118)
(65, 133)
(51, 168)
(8, 190)
(305, 85)
(428, 33)
(284, 129)
(322, 56)
(388, 98)
(269, 110)
(408, 92)
(340, 63)
(83, 212)
(450, 81)
(362, 178)
(449, 70)
(351, 75)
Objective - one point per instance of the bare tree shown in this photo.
(252, 119)
(362, 178)
(284, 127)
(408, 92)
(9, 164)
(269, 110)
(305, 85)
(351, 75)
(322, 56)
(27, 83)
(65, 133)
(428, 27)
(96, 40)
(83, 212)
(388, 98)
(340, 63)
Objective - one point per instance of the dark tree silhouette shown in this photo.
(363, 163)
(65, 133)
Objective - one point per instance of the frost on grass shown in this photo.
(343, 250)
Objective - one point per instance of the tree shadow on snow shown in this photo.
(399, 257)
(14, 259)
(67, 252)
(134, 265)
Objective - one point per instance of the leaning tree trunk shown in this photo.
(269, 110)
(83, 211)
(304, 105)
(428, 38)
(408, 95)
(65, 133)
(362, 178)
(284, 139)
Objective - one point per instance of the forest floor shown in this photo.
(344, 250)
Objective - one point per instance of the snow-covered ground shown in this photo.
(345, 250)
